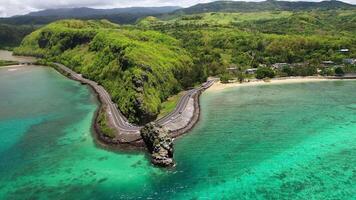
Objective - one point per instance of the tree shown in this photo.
(339, 71)
(264, 72)
(327, 72)
(288, 71)
(241, 77)
(224, 78)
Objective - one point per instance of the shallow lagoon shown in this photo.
(262, 142)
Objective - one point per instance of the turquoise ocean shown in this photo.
(290, 141)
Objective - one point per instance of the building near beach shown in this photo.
(279, 66)
(344, 50)
(350, 61)
(251, 71)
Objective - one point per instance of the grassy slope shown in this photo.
(224, 18)
(169, 105)
(245, 40)
(140, 69)
(280, 22)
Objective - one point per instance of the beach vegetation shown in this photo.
(7, 63)
(327, 72)
(265, 72)
(225, 78)
(241, 77)
(339, 71)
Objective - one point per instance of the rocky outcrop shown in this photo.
(159, 143)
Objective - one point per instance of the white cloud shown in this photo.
(19, 7)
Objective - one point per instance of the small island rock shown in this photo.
(159, 144)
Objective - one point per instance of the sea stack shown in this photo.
(159, 144)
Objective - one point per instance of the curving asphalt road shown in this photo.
(183, 103)
(119, 120)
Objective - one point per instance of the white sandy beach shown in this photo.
(218, 86)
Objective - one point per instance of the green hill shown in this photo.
(218, 41)
(11, 36)
(269, 5)
(142, 65)
(118, 15)
(278, 22)
(140, 69)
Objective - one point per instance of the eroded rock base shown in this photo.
(159, 143)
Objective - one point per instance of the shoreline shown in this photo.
(218, 86)
(115, 144)
(138, 144)
(98, 136)
(12, 66)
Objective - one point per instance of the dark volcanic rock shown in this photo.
(159, 144)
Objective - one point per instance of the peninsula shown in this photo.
(176, 123)
(135, 68)
(95, 98)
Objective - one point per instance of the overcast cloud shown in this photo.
(19, 7)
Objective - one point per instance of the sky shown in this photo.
(19, 7)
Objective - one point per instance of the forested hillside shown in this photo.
(269, 5)
(219, 12)
(11, 36)
(14, 29)
(140, 69)
(218, 41)
(117, 15)
(142, 65)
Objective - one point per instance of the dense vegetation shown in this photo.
(6, 63)
(117, 15)
(142, 65)
(269, 5)
(140, 69)
(14, 29)
(265, 72)
(11, 36)
(218, 41)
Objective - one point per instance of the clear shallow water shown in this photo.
(46, 146)
(292, 141)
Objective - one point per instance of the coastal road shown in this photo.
(182, 103)
(118, 119)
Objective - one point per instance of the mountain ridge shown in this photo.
(130, 15)
(117, 15)
(269, 5)
(86, 11)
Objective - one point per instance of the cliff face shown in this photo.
(159, 143)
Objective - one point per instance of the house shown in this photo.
(279, 66)
(251, 71)
(327, 63)
(344, 50)
(350, 61)
(337, 66)
(232, 69)
(262, 65)
(301, 64)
